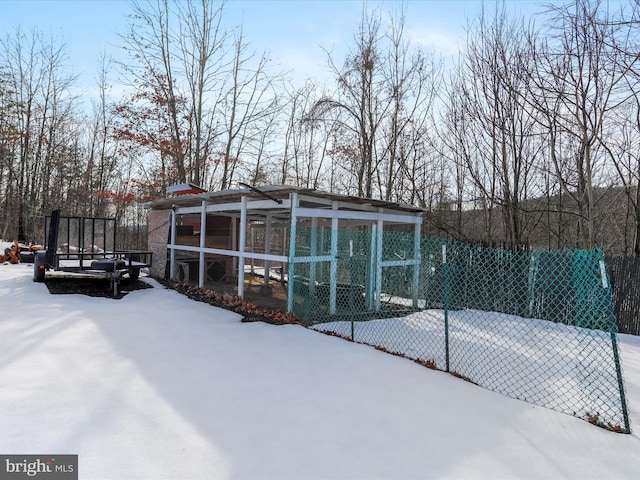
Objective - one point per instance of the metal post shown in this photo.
(623, 399)
(616, 355)
(267, 249)
(445, 271)
(351, 305)
(82, 248)
(115, 229)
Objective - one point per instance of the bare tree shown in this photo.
(198, 101)
(202, 43)
(156, 98)
(41, 111)
(622, 142)
(360, 104)
(385, 88)
(502, 131)
(9, 139)
(247, 101)
(577, 85)
(305, 158)
(412, 79)
(102, 160)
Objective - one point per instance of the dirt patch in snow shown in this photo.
(250, 312)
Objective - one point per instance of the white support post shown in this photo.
(283, 251)
(242, 246)
(334, 259)
(416, 267)
(234, 241)
(203, 237)
(172, 255)
(292, 251)
(267, 249)
(313, 253)
(378, 260)
(371, 266)
(252, 242)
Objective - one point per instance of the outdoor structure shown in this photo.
(534, 325)
(86, 246)
(259, 238)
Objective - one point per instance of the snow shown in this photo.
(157, 386)
(542, 362)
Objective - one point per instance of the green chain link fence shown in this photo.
(534, 325)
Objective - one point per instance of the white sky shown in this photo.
(294, 31)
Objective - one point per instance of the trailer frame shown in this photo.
(98, 259)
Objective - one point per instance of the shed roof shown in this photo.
(310, 197)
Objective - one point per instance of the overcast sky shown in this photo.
(294, 31)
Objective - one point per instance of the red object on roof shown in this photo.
(185, 189)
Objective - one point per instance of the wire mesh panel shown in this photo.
(334, 281)
(537, 326)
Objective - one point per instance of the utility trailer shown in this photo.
(86, 245)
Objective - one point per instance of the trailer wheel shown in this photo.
(134, 273)
(39, 266)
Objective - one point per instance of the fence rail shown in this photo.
(537, 326)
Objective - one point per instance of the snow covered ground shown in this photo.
(156, 386)
(567, 368)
